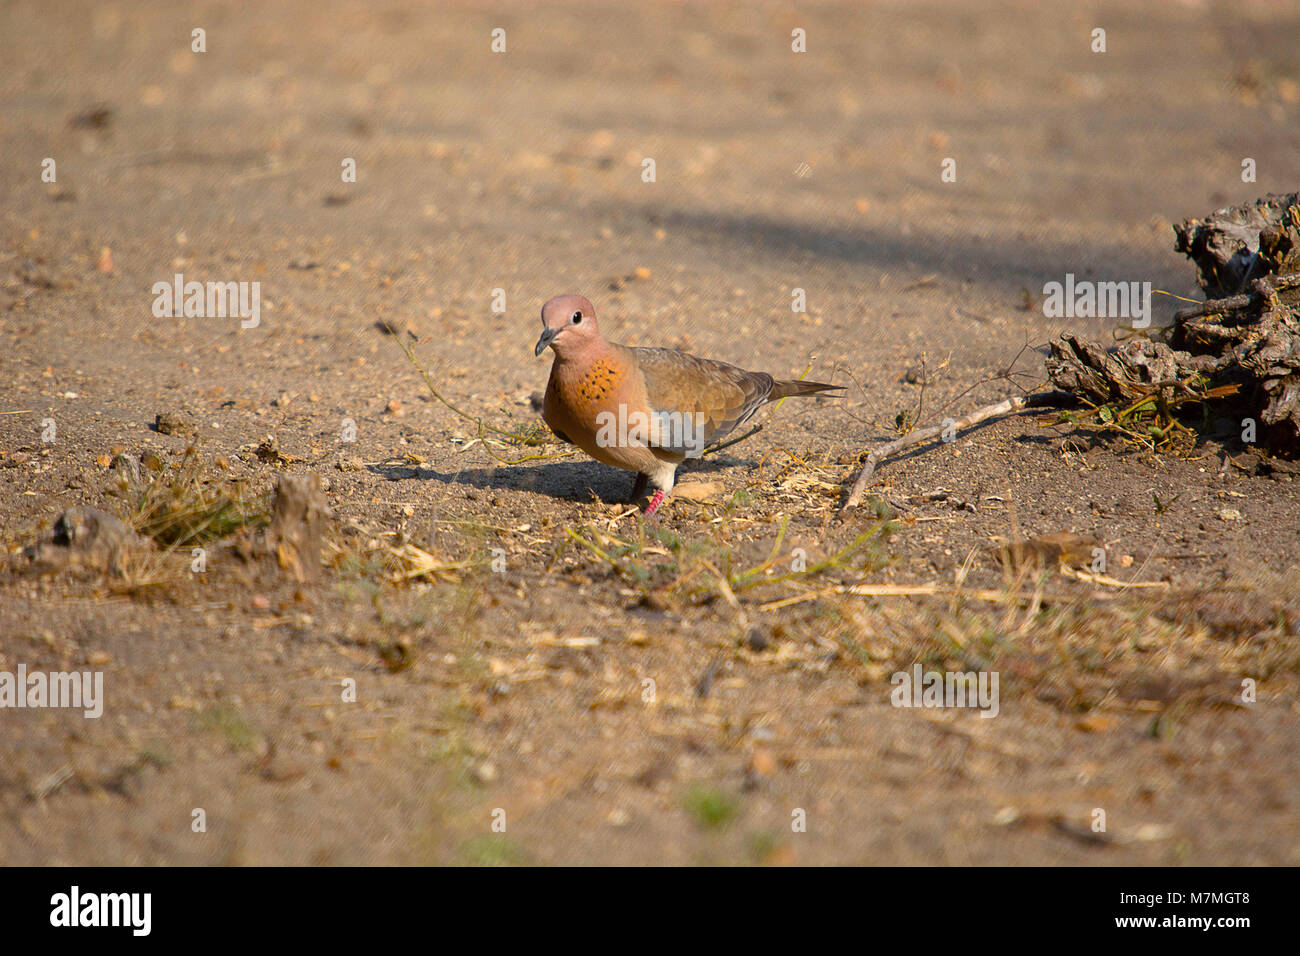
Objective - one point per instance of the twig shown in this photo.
(517, 437)
(1108, 581)
(1279, 283)
(922, 435)
(727, 593)
(746, 580)
(51, 782)
(735, 441)
(897, 590)
(771, 558)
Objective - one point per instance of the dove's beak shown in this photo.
(547, 336)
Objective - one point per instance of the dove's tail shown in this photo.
(793, 389)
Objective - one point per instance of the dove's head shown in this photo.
(568, 325)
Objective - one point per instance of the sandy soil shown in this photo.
(523, 694)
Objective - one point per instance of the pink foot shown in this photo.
(654, 504)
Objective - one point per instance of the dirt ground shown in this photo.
(605, 689)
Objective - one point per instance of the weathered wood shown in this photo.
(298, 520)
(1242, 346)
(1235, 245)
(1247, 334)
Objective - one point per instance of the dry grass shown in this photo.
(188, 504)
(1082, 642)
(1058, 645)
(1151, 420)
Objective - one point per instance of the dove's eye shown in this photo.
(576, 317)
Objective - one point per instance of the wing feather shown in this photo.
(698, 401)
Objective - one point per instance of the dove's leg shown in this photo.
(654, 504)
(664, 476)
(638, 489)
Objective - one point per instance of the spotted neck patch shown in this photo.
(599, 382)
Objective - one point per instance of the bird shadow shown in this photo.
(566, 480)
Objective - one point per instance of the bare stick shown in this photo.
(922, 435)
(1279, 283)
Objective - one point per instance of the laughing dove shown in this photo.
(644, 409)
